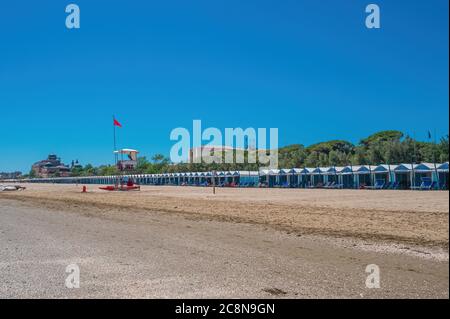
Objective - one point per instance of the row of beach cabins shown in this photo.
(423, 176)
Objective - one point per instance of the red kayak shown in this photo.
(121, 188)
(108, 188)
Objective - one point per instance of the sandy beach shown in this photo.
(185, 242)
(410, 217)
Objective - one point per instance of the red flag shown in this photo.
(116, 123)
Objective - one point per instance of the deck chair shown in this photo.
(395, 185)
(379, 184)
(427, 184)
(430, 186)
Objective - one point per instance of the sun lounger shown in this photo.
(387, 185)
(262, 184)
(379, 184)
(394, 185)
(330, 185)
(426, 184)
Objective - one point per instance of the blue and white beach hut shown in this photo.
(317, 176)
(443, 175)
(248, 178)
(362, 176)
(425, 175)
(404, 176)
(384, 175)
(346, 177)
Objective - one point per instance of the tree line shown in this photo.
(386, 147)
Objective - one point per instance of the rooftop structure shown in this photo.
(51, 167)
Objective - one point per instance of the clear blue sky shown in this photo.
(310, 68)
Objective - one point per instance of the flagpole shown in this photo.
(117, 182)
(115, 148)
(434, 160)
(413, 160)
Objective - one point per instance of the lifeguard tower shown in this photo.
(127, 159)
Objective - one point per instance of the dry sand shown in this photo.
(406, 217)
(139, 254)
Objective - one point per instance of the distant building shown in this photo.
(52, 166)
(12, 175)
(195, 154)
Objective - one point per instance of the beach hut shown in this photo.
(317, 176)
(383, 175)
(214, 179)
(174, 179)
(285, 177)
(206, 179)
(198, 177)
(236, 178)
(338, 177)
(189, 178)
(404, 176)
(330, 175)
(195, 178)
(425, 173)
(274, 178)
(264, 178)
(442, 170)
(167, 178)
(362, 176)
(220, 178)
(305, 177)
(228, 178)
(294, 177)
(346, 176)
(183, 178)
(248, 178)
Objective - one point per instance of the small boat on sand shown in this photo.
(8, 188)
